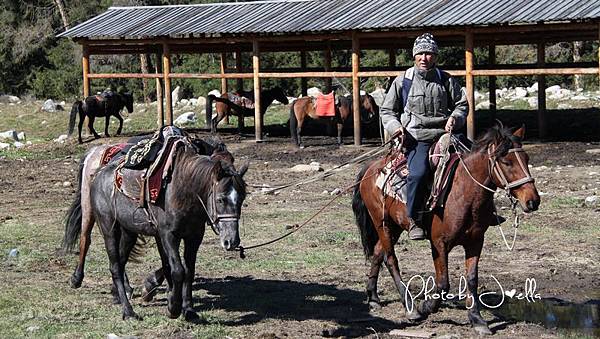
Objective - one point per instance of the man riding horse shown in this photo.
(429, 103)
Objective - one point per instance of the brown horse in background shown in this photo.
(304, 107)
(224, 107)
(496, 161)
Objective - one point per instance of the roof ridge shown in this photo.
(216, 3)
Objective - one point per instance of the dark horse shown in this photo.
(80, 220)
(201, 189)
(304, 107)
(225, 107)
(496, 161)
(100, 106)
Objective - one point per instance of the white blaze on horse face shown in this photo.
(233, 196)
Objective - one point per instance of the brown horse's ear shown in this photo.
(520, 132)
(217, 171)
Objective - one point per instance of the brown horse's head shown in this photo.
(369, 109)
(509, 165)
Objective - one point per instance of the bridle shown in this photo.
(215, 217)
(496, 170)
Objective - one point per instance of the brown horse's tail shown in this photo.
(73, 217)
(77, 108)
(368, 234)
(293, 124)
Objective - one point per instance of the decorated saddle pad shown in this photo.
(325, 105)
(113, 152)
(240, 100)
(392, 178)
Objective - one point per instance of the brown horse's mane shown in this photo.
(501, 137)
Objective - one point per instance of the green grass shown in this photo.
(564, 202)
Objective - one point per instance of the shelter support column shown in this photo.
(303, 80)
(356, 87)
(160, 110)
(166, 70)
(492, 81)
(85, 62)
(328, 81)
(258, 123)
(224, 80)
(238, 69)
(541, 79)
(470, 83)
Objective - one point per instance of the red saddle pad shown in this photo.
(326, 105)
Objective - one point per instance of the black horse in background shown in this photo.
(105, 105)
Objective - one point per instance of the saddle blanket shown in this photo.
(325, 105)
(240, 100)
(392, 178)
(111, 152)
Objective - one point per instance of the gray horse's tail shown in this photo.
(73, 217)
(77, 108)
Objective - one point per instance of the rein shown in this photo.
(219, 216)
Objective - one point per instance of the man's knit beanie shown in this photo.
(425, 43)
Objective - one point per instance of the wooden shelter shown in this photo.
(319, 25)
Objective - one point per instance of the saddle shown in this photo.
(240, 100)
(145, 183)
(443, 161)
(112, 152)
(325, 105)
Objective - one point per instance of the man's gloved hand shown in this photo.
(450, 124)
(398, 133)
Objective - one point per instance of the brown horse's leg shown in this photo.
(439, 252)
(84, 245)
(91, 126)
(376, 260)
(388, 240)
(118, 116)
(472, 253)
(299, 131)
(340, 127)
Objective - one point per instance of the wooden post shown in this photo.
(356, 87)
(541, 79)
(392, 57)
(85, 63)
(238, 69)
(327, 64)
(492, 81)
(598, 54)
(258, 123)
(303, 81)
(469, 83)
(167, 80)
(224, 80)
(160, 110)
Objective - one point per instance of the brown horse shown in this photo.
(225, 107)
(304, 107)
(496, 161)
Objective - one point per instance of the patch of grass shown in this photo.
(564, 202)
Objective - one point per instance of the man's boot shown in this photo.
(415, 232)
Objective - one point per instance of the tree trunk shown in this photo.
(63, 15)
(577, 49)
(144, 65)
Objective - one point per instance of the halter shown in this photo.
(495, 169)
(217, 217)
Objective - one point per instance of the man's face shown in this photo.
(425, 60)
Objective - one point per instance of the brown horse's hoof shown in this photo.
(415, 316)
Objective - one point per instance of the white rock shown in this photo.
(478, 96)
(592, 173)
(185, 119)
(592, 200)
(201, 101)
(194, 102)
(21, 136)
(532, 102)
(4, 145)
(9, 99)
(483, 105)
(563, 106)
(49, 106)
(579, 98)
(176, 94)
(19, 144)
(9, 135)
(336, 191)
(215, 92)
(533, 88)
(313, 92)
(312, 167)
(184, 102)
(325, 192)
(553, 90)
(593, 151)
(67, 184)
(539, 168)
(61, 139)
(520, 92)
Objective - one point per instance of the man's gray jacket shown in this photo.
(426, 111)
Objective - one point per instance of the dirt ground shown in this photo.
(312, 283)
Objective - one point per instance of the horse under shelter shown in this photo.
(323, 25)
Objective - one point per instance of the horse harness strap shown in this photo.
(216, 216)
(499, 173)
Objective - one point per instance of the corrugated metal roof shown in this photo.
(272, 17)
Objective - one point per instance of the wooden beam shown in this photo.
(223, 66)
(85, 63)
(470, 83)
(124, 76)
(258, 123)
(211, 75)
(599, 53)
(166, 71)
(160, 110)
(541, 79)
(356, 87)
(492, 81)
(535, 71)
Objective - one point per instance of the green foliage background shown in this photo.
(35, 63)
